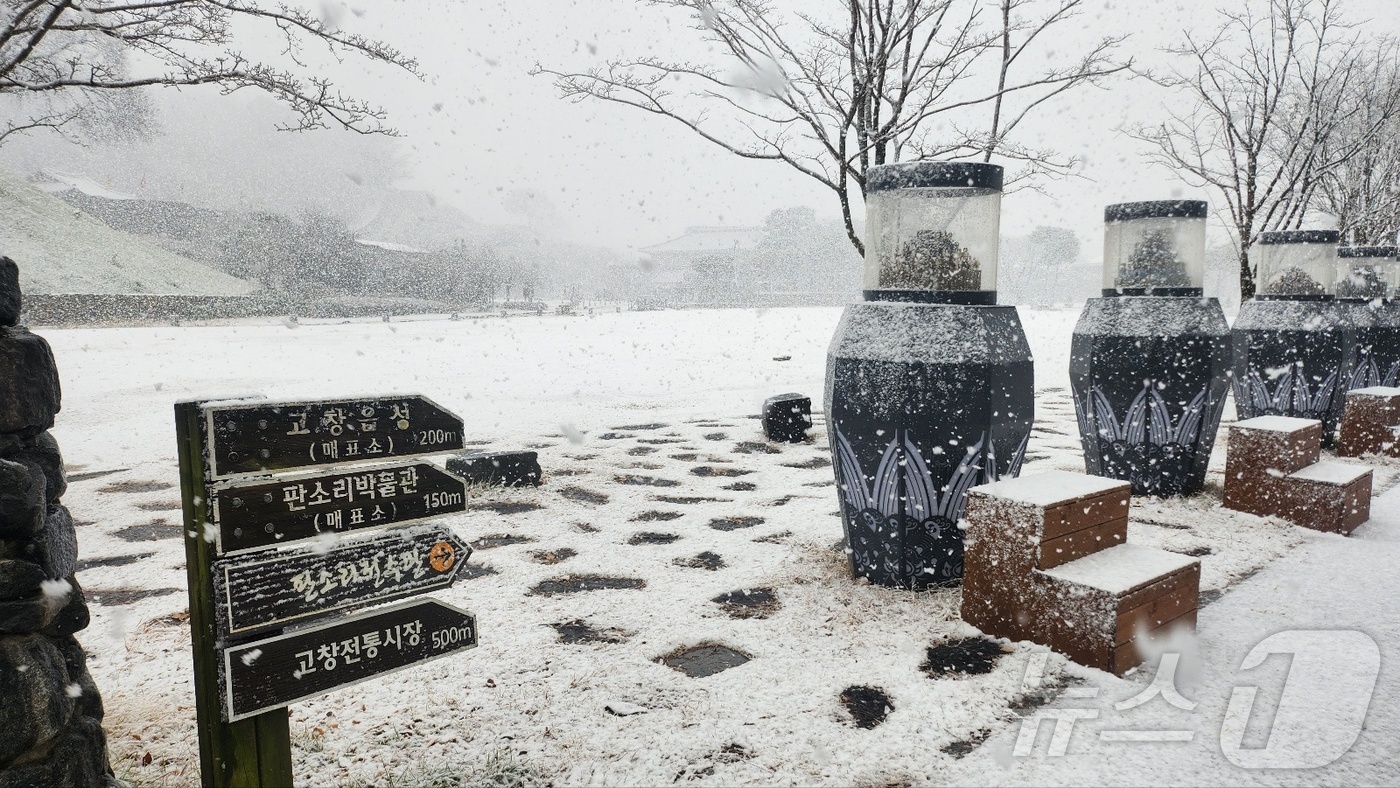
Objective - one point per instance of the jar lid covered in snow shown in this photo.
(932, 231)
(1154, 248)
(1367, 272)
(1297, 264)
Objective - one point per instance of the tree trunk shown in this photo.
(850, 225)
(1246, 275)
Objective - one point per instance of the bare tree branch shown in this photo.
(885, 81)
(78, 48)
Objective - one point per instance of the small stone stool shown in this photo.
(1272, 469)
(787, 417)
(1047, 561)
(1370, 421)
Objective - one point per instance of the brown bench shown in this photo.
(1370, 422)
(1272, 469)
(1047, 560)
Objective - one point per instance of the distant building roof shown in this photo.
(390, 247)
(709, 239)
(56, 182)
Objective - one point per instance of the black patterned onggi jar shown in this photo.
(1150, 360)
(929, 387)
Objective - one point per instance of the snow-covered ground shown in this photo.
(667, 396)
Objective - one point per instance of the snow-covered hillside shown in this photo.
(61, 250)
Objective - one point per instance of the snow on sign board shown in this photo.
(280, 670)
(257, 436)
(290, 508)
(274, 588)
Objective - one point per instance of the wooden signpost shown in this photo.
(254, 515)
(274, 588)
(298, 548)
(255, 437)
(268, 674)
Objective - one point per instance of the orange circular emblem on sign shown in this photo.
(442, 557)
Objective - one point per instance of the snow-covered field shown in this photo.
(667, 396)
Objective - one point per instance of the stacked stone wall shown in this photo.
(50, 710)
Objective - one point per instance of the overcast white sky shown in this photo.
(629, 179)
(479, 126)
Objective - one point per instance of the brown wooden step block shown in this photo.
(1261, 452)
(1149, 586)
(1370, 421)
(1328, 496)
(1081, 602)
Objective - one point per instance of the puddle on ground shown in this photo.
(704, 660)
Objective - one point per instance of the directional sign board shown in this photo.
(274, 672)
(273, 588)
(289, 508)
(254, 437)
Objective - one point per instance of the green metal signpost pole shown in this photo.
(251, 752)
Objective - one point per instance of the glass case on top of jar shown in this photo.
(1296, 264)
(932, 232)
(1154, 248)
(1366, 272)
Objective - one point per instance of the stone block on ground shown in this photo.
(498, 468)
(30, 394)
(11, 300)
(1046, 560)
(1370, 421)
(787, 417)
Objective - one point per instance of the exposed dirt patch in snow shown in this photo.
(868, 706)
(575, 584)
(748, 603)
(499, 540)
(652, 537)
(552, 557)
(160, 529)
(583, 496)
(965, 656)
(706, 560)
(735, 523)
(136, 487)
